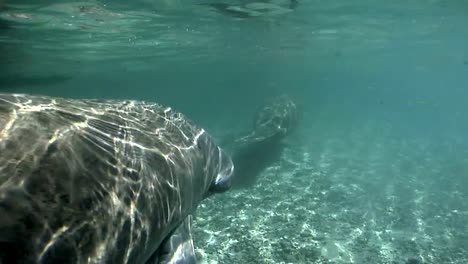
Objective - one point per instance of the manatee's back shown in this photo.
(69, 178)
(48, 185)
(96, 182)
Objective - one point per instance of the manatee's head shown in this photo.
(219, 167)
(223, 179)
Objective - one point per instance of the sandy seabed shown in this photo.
(363, 198)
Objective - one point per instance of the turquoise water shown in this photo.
(377, 170)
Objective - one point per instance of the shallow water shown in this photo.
(375, 173)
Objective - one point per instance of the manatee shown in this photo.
(272, 122)
(262, 145)
(102, 181)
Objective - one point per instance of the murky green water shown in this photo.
(375, 173)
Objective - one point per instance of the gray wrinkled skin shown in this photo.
(86, 181)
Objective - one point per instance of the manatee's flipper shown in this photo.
(178, 248)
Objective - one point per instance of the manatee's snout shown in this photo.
(223, 179)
